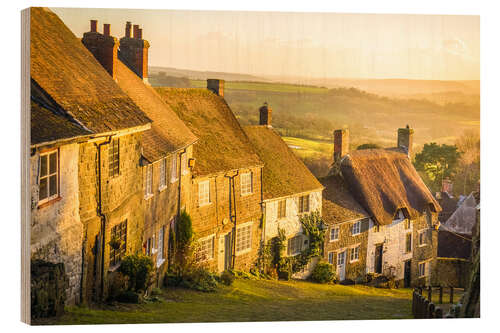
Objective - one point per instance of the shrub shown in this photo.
(118, 285)
(128, 296)
(200, 279)
(48, 289)
(227, 278)
(139, 270)
(323, 273)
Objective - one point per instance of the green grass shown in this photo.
(262, 86)
(254, 300)
(306, 147)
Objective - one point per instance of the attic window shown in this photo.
(282, 208)
(304, 204)
(204, 193)
(399, 216)
(173, 169)
(114, 158)
(163, 173)
(246, 183)
(356, 228)
(148, 190)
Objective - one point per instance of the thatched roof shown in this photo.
(284, 174)
(338, 203)
(168, 133)
(222, 144)
(383, 181)
(69, 73)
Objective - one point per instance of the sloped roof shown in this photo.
(222, 144)
(448, 204)
(464, 218)
(74, 79)
(338, 203)
(284, 174)
(383, 181)
(168, 133)
(453, 245)
(47, 126)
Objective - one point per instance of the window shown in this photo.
(204, 193)
(244, 238)
(334, 234)
(422, 269)
(408, 242)
(206, 249)
(173, 169)
(422, 237)
(149, 246)
(407, 224)
(118, 243)
(184, 166)
(282, 209)
(148, 188)
(340, 258)
(163, 173)
(161, 237)
(356, 228)
(49, 177)
(246, 183)
(295, 245)
(304, 203)
(376, 228)
(331, 256)
(355, 253)
(114, 158)
(400, 216)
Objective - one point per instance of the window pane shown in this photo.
(43, 165)
(43, 189)
(53, 162)
(53, 185)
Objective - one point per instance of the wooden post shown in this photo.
(414, 302)
(439, 312)
(451, 295)
(426, 309)
(440, 295)
(429, 293)
(430, 311)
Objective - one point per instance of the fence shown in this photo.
(423, 307)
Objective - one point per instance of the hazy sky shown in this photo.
(318, 45)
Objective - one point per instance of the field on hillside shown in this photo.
(254, 300)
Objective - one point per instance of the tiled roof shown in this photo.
(338, 203)
(284, 174)
(222, 145)
(73, 78)
(168, 133)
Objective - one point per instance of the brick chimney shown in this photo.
(340, 143)
(405, 139)
(447, 186)
(265, 113)
(134, 51)
(104, 47)
(216, 86)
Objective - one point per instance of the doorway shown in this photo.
(378, 258)
(341, 265)
(225, 252)
(407, 273)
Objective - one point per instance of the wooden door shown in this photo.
(407, 273)
(341, 265)
(378, 258)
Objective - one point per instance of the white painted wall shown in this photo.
(393, 236)
(56, 230)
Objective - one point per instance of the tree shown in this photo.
(437, 162)
(468, 173)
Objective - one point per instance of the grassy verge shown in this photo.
(306, 147)
(254, 300)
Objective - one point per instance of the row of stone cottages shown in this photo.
(114, 160)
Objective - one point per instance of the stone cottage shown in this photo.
(167, 147)
(289, 189)
(402, 237)
(90, 189)
(225, 204)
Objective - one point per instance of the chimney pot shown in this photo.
(265, 113)
(340, 144)
(128, 26)
(216, 86)
(136, 30)
(107, 29)
(93, 25)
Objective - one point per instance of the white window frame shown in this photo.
(148, 186)
(356, 228)
(210, 256)
(246, 226)
(246, 183)
(341, 262)
(184, 164)
(301, 203)
(161, 247)
(204, 193)
(173, 169)
(278, 211)
(299, 240)
(48, 175)
(163, 174)
(331, 257)
(422, 237)
(335, 231)
(354, 253)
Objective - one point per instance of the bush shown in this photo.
(118, 285)
(227, 278)
(323, 273)
(48, 289)
(128, 297)
(200, 279)
(139, 270)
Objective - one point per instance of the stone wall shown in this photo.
(56, 229)
(214, 219)
(451, 272)
(122, 199)
(426, 253)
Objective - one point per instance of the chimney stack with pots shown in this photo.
(265, 113)
(340, 144)
(216, 86)
(134, 51)
(405, 139)
(104, 47)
